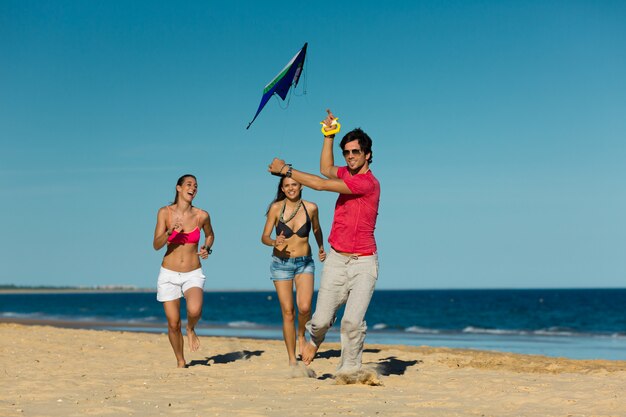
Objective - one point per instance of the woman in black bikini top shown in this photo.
(292, 263)
(281, 226)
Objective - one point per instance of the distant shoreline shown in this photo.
(78, 324)
(27, 290)
(73, 290)
(113, 289)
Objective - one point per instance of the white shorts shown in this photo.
(172, 285)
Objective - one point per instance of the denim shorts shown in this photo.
(287, 268)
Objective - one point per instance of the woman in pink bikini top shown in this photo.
(182, 238)
(178, 227)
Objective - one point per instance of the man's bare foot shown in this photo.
(194, 342)
(308, 353)
(182, 364)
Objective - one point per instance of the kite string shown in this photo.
(287, 101)
(292, 90)
(305, 70)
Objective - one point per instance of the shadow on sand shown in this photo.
(336, 353)
(393, 366)
(226, 358)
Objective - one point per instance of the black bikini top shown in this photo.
(303, 231)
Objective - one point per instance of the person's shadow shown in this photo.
(336, 353)
(394, 366)
(226, 358)
(387, 366)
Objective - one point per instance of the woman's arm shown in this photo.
(270, 222)
(317, 232)
(161, 233)
(209, 237)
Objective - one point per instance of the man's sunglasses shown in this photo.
(355, 152)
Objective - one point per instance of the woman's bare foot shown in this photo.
(308, 353)
(182, 364)
(194, 342)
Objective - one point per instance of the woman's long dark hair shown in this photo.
(180, 182)
(280, 194)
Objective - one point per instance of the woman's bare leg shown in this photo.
(174, 333)
(304, 297)
(284, 289)
(194, 297)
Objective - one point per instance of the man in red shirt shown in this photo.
(351, 268)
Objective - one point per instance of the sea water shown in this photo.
(573, 323)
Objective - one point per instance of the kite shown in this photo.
(281, 84)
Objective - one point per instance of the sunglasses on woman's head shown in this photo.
(355, 152)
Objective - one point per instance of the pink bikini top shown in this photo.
(182, 238)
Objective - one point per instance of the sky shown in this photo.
(499, 135)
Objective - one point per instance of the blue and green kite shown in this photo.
(281, 84)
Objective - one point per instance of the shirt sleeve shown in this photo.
(358, 184)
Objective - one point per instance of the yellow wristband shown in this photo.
(335, 124)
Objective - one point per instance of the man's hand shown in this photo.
(276, 166)
(328, 121)
(330, 125)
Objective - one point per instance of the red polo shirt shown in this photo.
(355, 214)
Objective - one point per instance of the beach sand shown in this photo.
(50, 371)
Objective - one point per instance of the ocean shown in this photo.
(571, 323)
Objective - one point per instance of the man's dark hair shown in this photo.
(365, 143)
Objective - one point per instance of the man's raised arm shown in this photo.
(327, 160)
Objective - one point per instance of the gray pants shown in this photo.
(348, 280)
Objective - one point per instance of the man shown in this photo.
(351, 268)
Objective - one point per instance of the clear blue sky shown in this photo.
(499, 134)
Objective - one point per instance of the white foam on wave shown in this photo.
(12, 314)
(379, 326)
(480, 330)
(147, 319)
(242, 324)
(87, 319)
(555, 331)
(421, 330)
(550, 331)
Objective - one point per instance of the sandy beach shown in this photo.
(50, 371)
